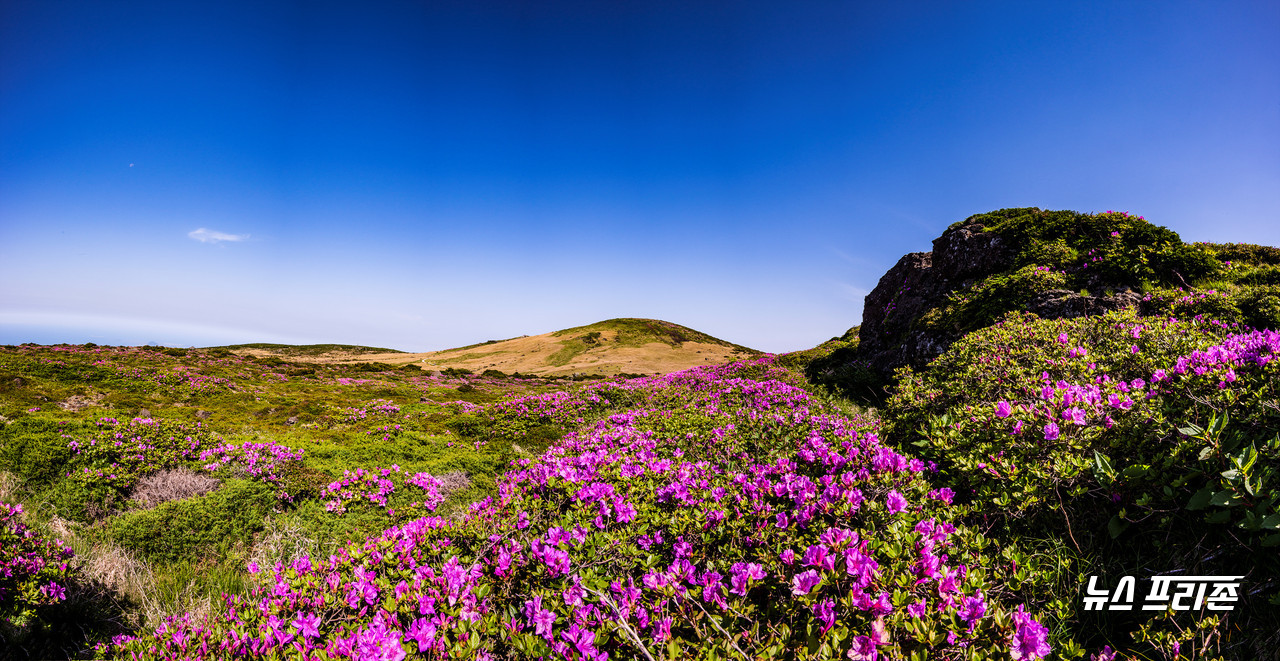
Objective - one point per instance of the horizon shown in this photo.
(423, 177)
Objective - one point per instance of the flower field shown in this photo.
(198, 504)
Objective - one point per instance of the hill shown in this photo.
(611, 347)
(303, 350)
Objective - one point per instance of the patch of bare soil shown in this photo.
(78, 402)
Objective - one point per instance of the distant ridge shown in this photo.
(296, 350)
(610, 347)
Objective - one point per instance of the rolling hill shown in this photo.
(611, 347)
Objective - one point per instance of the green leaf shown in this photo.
(1134, 471)
(1200, 500)
(1116, 526)
(1272, 522)
(1224, 498)
(1191, 430)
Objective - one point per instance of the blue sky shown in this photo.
(421, 175)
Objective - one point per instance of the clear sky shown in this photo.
(421, 175)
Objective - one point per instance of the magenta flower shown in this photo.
(972, 609)
(1030, 638)
(1003, 409)
(307, 625)
(1050, 432)
(826, 612)
(805, 582)
(895, 502)
(864, 649)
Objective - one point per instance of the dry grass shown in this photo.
(284, 541)
(9, 485)
(171, 484)
(453, 482)
(531, 354)
(145, 595)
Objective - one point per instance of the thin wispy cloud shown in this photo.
(205, 235)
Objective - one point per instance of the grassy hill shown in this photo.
(609, 348)
(304, 350)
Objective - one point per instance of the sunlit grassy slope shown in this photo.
(612, 347)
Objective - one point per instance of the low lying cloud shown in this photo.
(205, 235)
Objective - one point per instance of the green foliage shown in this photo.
(35, 449)
(1113, 247)
(1165, 439)
(197, 528)
(981, 305)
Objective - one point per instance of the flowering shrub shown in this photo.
(1116, 427)
(34, 570)
(375, 487)
(736, 518)
(263, 461)
(108, 463)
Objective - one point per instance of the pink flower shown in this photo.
(864, 649)
(804, 582)
(826, 612)
(1030, 638)
(1050, 432)
(1003, 409)
(307, 625)
(895, 502)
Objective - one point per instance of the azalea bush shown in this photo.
(1107, 433)
(767, 527)
(34, 572)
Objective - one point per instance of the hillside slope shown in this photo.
(611, 347)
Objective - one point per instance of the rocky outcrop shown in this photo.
(919, 282)
(892, 334)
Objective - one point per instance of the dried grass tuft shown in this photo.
(283, 541)
(171, 484)
(453, 482)
(9, 485)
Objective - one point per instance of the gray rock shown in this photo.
(919, 282)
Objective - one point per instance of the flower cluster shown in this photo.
(261, 461)
(33, 569)
(709, 509)
(376, 486)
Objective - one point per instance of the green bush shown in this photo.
(36, 449)
(197, 528)
(984, 303)
(1105, 434)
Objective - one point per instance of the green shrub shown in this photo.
(36, 449)
(988, 300)
(1107, 433)
(197, 528)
